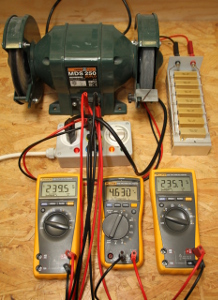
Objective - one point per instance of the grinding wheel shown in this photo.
(146, 68)
(20, 72)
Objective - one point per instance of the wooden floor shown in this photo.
(20, 126)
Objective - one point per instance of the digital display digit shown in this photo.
(58, 189)
(121, 192)
(173, 184)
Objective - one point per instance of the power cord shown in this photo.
(50, 15)
(129, 16)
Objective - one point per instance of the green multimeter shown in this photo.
(123, 200)
(57, 223)
(174, 202)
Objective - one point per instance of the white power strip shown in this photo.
(68, 154)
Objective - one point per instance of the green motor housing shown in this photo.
(74, 59)
(77, 58)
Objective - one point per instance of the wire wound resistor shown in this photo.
(186, 133)
(191, 122)
(185, 75)
(187, 92)
(190, 112)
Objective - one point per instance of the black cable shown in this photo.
(196, 282)
(67, 285)
(122, 146)
(126, 151)
(105, 273)
(129, 15)
(35, 144)
(154, 133)
(167, 37)
(90, 193)
(50, 15)
(175, 44)
(93, 140)
(118, 141)
(90, 269)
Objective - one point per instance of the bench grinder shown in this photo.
(77, 58)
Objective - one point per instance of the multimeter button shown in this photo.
(71, 203)
(44, 203)
(188, 198)
(171, 198)
(164, 262)
(133, 211)
(190, 263)
(110, 255)
(125, 205)
(162, 198)
(117, 205)
(163, 251)
(61, 203)
(42, 210)
(133, 204)
(109, 205)
(180, 198)
(161, 204)
(52, 203)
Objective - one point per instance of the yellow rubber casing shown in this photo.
(158, 238)
(75, 248)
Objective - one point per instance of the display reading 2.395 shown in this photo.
(57, 223)
(58, 189)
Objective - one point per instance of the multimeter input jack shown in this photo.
(122, 256)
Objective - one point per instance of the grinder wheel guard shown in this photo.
(20, 71)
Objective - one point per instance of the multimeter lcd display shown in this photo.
(173, 184)
(121, 193)
(58, 189)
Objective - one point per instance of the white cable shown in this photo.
(50, 153)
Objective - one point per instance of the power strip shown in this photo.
(68, 154)
(190, 134)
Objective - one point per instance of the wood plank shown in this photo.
(21, 126)
(110, 11)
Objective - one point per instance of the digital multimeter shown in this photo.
(174, 202)
(123, 200)
(57, 223)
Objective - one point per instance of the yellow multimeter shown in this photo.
(174, 202)
(57, 223)
(123, 200)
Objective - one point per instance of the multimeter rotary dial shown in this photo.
(115, 226)
(56, 224)
(177, 219)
